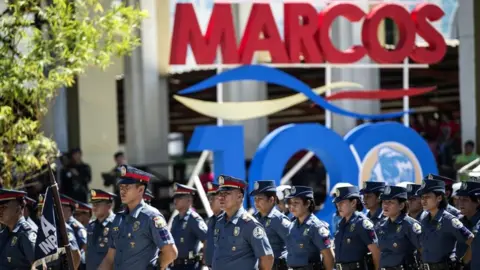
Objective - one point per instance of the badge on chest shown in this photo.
(14, 241)
(184, 225)
(236, 231)
(136, 226)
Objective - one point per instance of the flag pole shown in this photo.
(62, 226)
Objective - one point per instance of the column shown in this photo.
(54, 123)
(344, 35)
(468, 68)
(256, 129)
(146, 97)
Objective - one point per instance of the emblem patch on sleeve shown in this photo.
(323, 232)
(258, 232)
(457, 224)
(159, 222)
(367, 224)
(417, 228)
(32, 237)
(202, 226)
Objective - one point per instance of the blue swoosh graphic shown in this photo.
(275, 76)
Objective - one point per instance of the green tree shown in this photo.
(43, 47)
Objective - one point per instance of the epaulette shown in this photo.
(74, 225)
(195, 214)
(26, 226)
(248, 217)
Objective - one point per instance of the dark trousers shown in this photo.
(185, 267)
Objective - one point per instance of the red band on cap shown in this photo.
(11, 196)
(137, 176)
(236, 184)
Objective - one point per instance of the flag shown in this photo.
(46, 245)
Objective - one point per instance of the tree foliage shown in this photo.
(43, 47)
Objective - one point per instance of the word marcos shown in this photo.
(306, 34)
(388, 147)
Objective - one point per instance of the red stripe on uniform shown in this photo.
(137, 176)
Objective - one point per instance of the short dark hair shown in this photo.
(405, 208)
(311, 207)
(118, 154)
(270, 194)
(444, 202)
(359, 205)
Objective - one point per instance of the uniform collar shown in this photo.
(352, 218)
(305, 221)
(438, 216)
(71, 219)
(271, 214)
(134, 213)
(110, 218)
(18, 225)
(237, 215)
(399, 219)
(186, 216)
(378, 213)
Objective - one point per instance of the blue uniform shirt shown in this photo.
(209, 247)
(32, 223)
(305, 241)
(398, 240)
(98, 234)
(277, 226)
(470, 224)
(17, 248)
(137, 237)
(440, 234)
(353, 237)
(188, 231)
(80, 235)
(475, 262)
(239, 242)
(376, 217)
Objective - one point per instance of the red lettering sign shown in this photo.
(306, 34)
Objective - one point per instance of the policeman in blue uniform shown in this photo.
(148, 197)
(355, 236)
(99, 230)
(275, 223)
(140, 232)
(441, 230)
(216, 206)
(308, 239)
(188, 229)
(468, 203)
(448, 192)
(415, 208)
(336, 217)
(17, 238)
(69, 206)
(240, 240)
(371, 197)
(60, 263)
(398, 234)
(29, 212)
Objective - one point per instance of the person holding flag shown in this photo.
(140, 237)
(99, 230)
(50, 255)
(69, 206)
(17, 238)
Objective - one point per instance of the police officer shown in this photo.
(355, 236)
(83, 213)
(371, 197)
(240, 240)
(148, 197)
(441, 230)
(308, 238)
(275, 223)
(69, 206)
(29, 212)
(140, 231)
(188, 229)
(398, 234)
(336, 217)
(17, 238)
(216, 206)
(415, 208)
(59, 264)
(448, 192)
(99, 230)
(468, 203)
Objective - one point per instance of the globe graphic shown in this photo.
(392, 167)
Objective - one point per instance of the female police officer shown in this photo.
(276, 224)
(308, 239)
(398, 234)
(441, 230)
(355, 235)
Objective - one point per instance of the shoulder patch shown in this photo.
(202, 225)
(367, 224)
(258, 232)
(456, 223)
(323, 232)
(71, 237)
(247, 217)
(285, 222)
(83, 233)
(32, 236)
(417, 228)
(159, 222)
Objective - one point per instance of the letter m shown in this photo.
(187, 31)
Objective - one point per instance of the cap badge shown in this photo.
(221, 180)
(464, 186)
(287, 192)
(337, 192)
(293, 190)
(430, 176)
(93, 193)
(387, 191)
(256, 186)
(365, 184)
(423, 185)
(123, 171)
(209, 186)
(40, 198)
(409, 188)
(175, 187)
